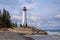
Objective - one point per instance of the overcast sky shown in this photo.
(43, 14)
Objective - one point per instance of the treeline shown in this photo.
(5, 21)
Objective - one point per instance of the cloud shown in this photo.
(57, 16)
(16, 12)
(25, 1)
(21, 1)
(31, 5)
(7, 2)
(34, 17)
(16, 17)
(51, 24)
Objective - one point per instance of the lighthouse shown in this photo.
(24, 17)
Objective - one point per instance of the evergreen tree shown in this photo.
(14, 25)
(0, 19)
(6, 19)
(0, 14)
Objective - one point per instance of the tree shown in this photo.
(14, 25)
(0, 19)
(0, 12)
(6, 19)
(0, 15)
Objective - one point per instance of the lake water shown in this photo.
(44, 37)
(53, 32)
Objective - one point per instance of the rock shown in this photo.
(11, 36)
(25, 31)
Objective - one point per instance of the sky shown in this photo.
(43, 14)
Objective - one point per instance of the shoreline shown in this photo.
(13, 36)
(16, 36)
(44, 37)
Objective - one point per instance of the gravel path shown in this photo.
(12, 36)
(44, 37)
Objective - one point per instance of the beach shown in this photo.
(16, 36)
(44, 37)
(12, 36)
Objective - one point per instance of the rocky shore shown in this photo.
(17, 36)
(44, 37)
(18, 33)
(12, 36)
(28, 31)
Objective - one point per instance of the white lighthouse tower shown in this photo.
(24, 17)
